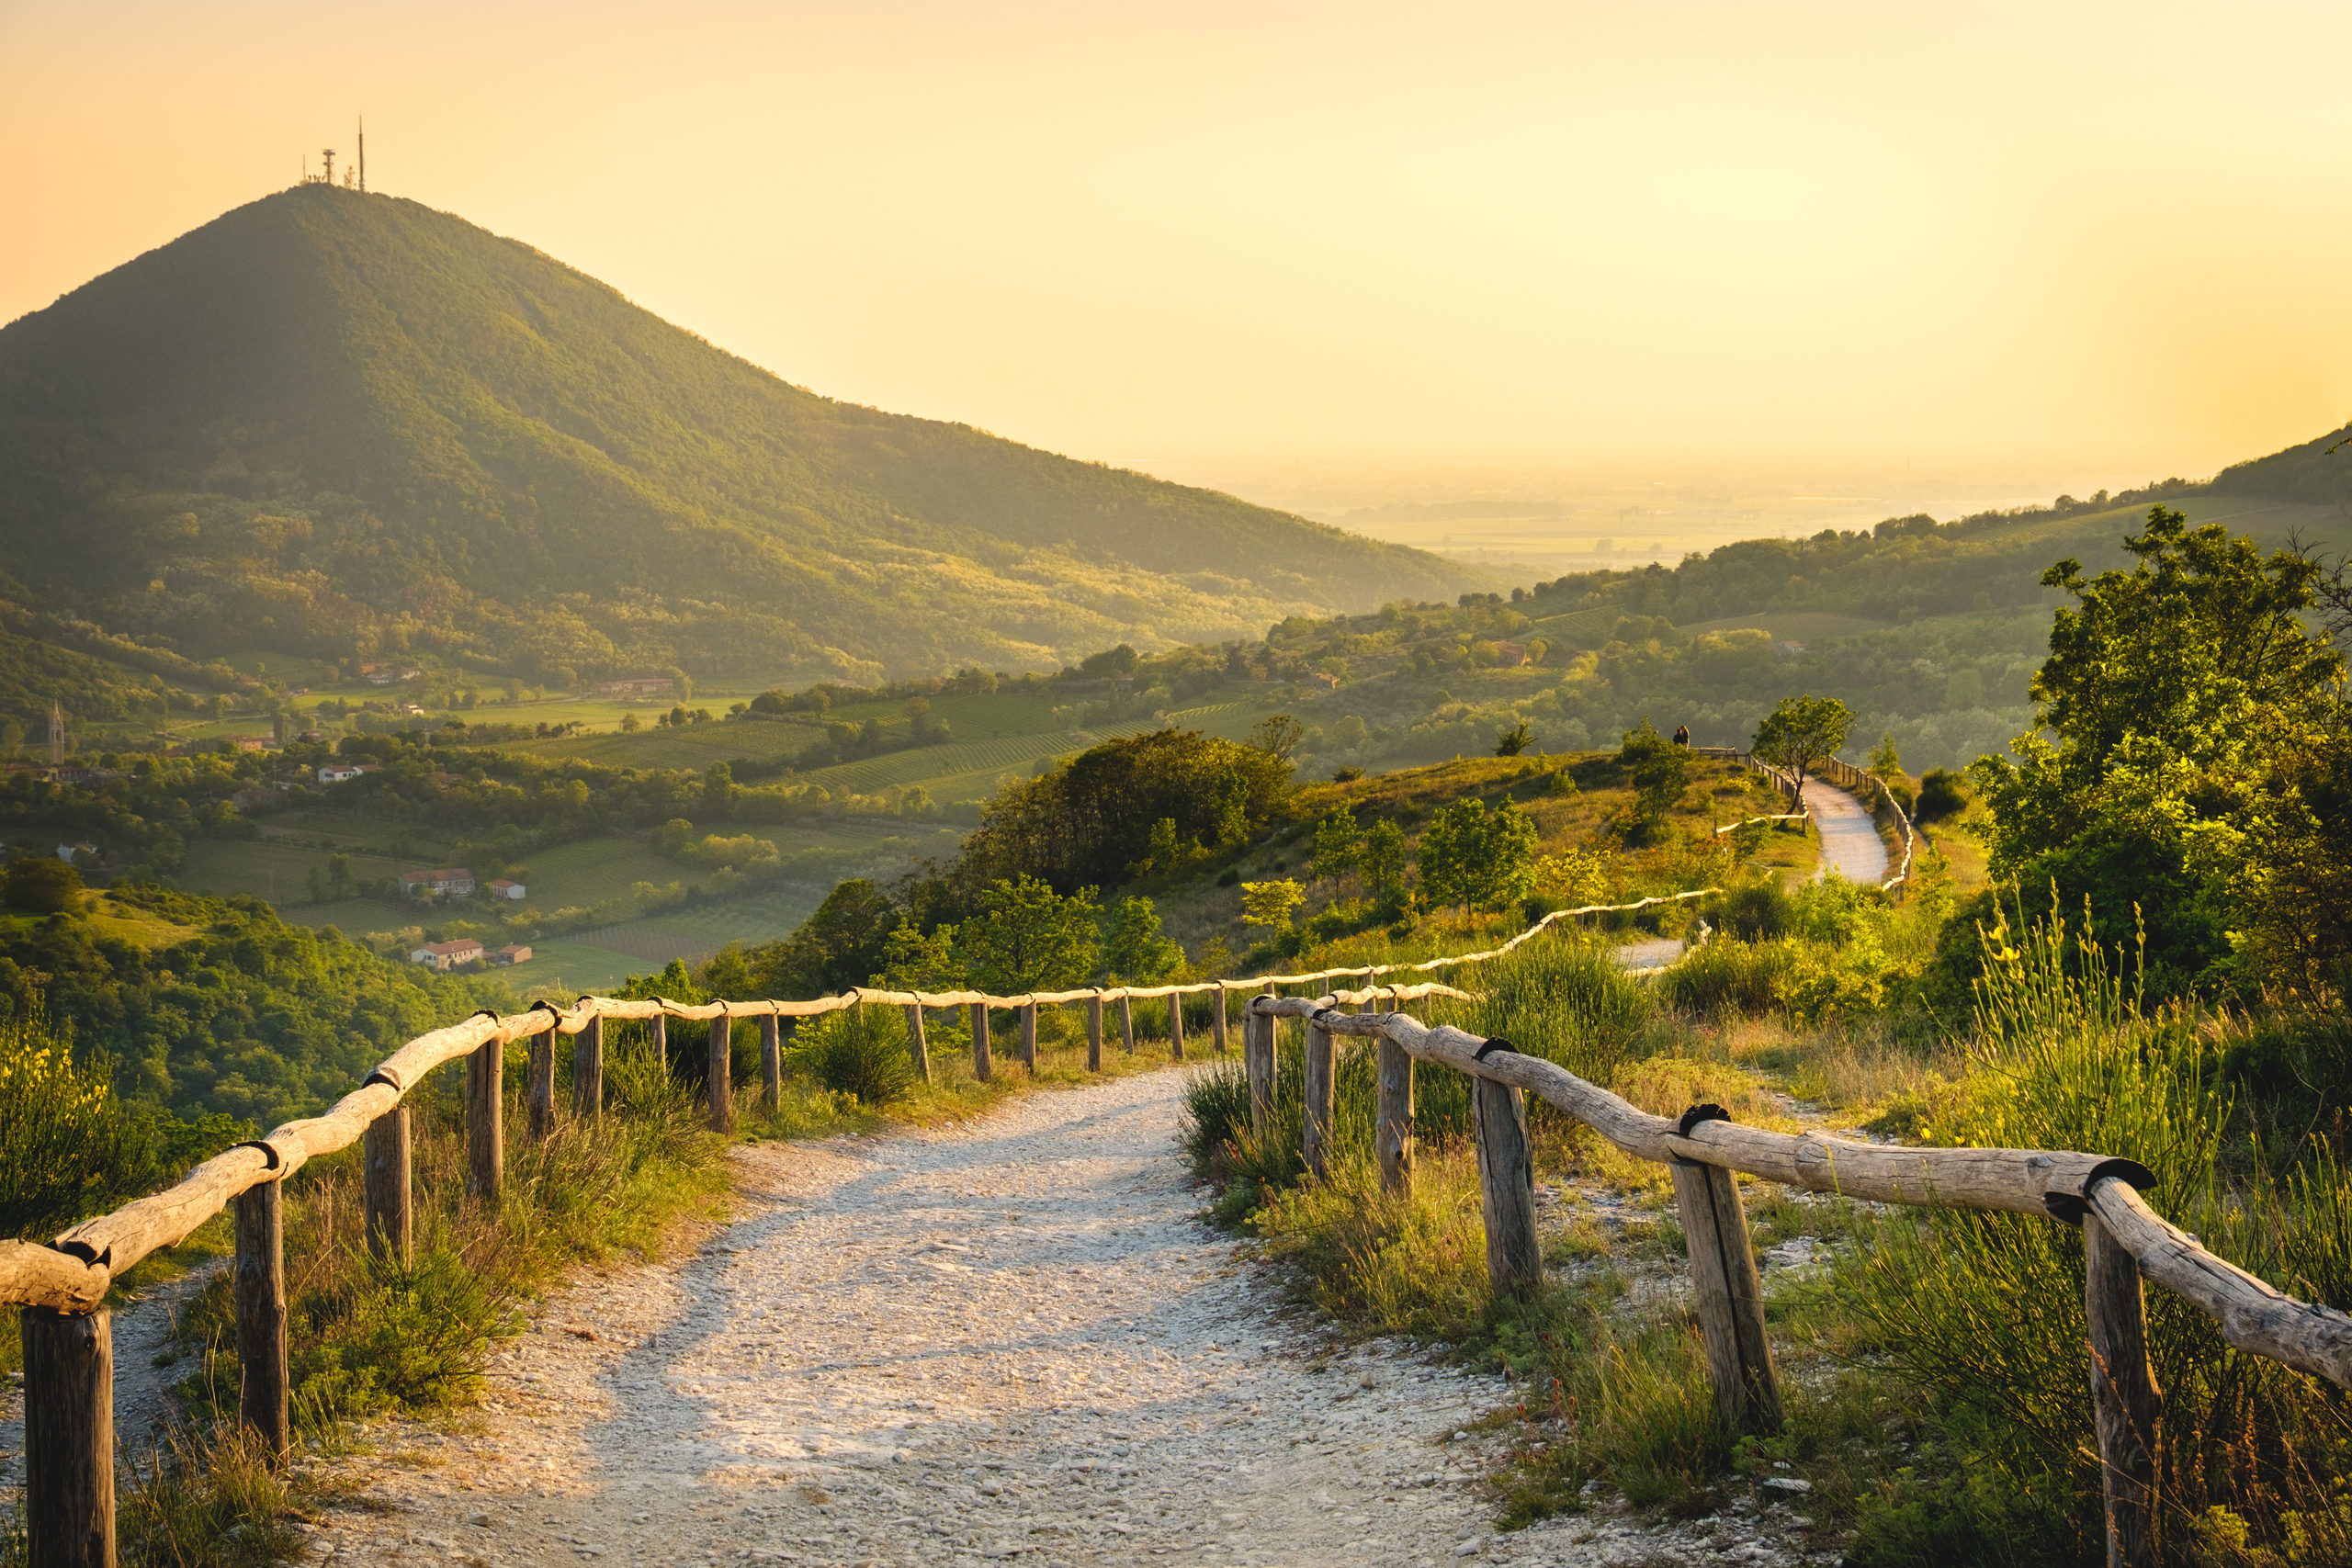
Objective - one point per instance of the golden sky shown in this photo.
(2092, 232)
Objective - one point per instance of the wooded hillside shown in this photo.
(335, 426)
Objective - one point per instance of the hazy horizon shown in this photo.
(1330, 256)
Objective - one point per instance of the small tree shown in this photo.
(1515, 741)
(1026, 937)
(43, 884)
(1278, 736)
(1660, 770)
(1476, 858)
(1801, 732)
(1381, 862)
(1269, 904)
(1338, 847)
(1884, 760)
(1134, 948)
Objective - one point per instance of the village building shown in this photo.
(447, 956)
(339, 772)
(450, 882)
(513, 952)
(502, 888)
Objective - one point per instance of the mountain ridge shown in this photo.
(339, 424)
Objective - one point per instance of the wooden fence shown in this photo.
(2123, 1239)
(61, 1287)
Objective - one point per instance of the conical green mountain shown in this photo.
(338, 425)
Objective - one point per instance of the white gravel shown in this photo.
(1010, 1338)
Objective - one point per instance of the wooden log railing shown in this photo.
(2125, 1241)
(61, 1288)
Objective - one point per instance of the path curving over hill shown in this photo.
(1009, 1338)
(1849, 842)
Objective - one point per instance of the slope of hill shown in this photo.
(334, 424)
(2315, 473)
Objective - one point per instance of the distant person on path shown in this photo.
(1683, 735)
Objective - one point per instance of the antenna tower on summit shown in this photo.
(328, 153)
(363, 154)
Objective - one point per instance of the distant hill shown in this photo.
(2308, 473)
(331, 424)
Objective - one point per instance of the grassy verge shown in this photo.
(1931, 1360)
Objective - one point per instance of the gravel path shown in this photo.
(1849, 842)
(1010, 1338)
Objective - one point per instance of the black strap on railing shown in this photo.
(2070, 1207)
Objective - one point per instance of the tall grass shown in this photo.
(69, 1148)
(1984, 1311)
(370, 1335)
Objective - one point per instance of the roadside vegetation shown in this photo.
(1931, 1359)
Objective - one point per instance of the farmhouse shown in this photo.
(513, 952)
(647, 686)
(446, 956)
(454, 882)
(338, 772)
(502, 888)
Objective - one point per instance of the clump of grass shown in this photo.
(1983, 1312)
(208, 1500)
(862, 1053)
(1414, 1264)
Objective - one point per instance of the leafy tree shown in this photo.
(1269, 904)
(1338, 844)
(43, 884)
(1023, 936)
(1278, 736)
(1660, 770)
(1079, 825)
(1133, 946)
(1383, 861)
(2193, 777)
(1167, 853)
(1884, 760)
(1802, 731)
(845, 942)
(1477, 858)
(1512, 741)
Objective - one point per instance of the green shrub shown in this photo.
(1564, 1001)
(1729, 977)
(861, 1052)
(1983, 1311)
(68, 1148)
(42, 884)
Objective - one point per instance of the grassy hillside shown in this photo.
(332, 426)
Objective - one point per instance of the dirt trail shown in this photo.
(1849, 842)
(1008, 1339)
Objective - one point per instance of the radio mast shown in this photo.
(363, 154)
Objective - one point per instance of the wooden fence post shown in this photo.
(722, 1074)
(1322, 1063)
(68, 1438)
(392, 1227)
(772, 1064)
(539, 1098)
(588, 1071)
(1505, 1187)
(1727, 1296)
(1216, 1019)
(1176, 1025)
(981, 1066)
(1393, 1132)
(486, 1120)
(1128, 1025)
(1259, 1063)
(2124, 1396)
(260, 1288)
(1094, 1031)
(1029, 1037)
(658, 1026)
(916, 1045)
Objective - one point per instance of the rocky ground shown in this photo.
(1012, 1338)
